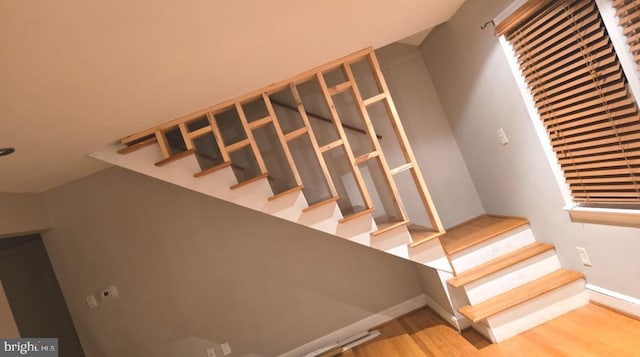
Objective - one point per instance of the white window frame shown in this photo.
(608, 216)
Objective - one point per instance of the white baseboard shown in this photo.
(359, 326)
(457, 323)
(614, 300)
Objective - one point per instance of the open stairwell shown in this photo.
(263, 151)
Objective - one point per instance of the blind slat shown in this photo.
(579, 112)
(618, 87)
(594, 153)
(609, 157)
(584, 82)
(550, 19)
(533, 54)
(586, 126)
(561, 95)
(566, 66)
(577, 147)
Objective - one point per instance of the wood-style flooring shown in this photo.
(588, 331)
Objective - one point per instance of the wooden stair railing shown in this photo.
(191, 127)
(318, 117)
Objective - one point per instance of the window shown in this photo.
(581, 95)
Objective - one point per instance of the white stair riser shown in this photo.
(324, 218)
(492, 248)
(537, 311)
(358, 229)
(512, 277)
(430, 254)
(180, 172)
(394, 242)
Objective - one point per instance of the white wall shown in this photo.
(21, 213)
(192, 268)
(479, 95)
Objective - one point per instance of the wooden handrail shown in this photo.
(319, 117)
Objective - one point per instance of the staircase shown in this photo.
(310, 150)
(512, 283)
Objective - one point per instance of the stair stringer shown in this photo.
(289, 207)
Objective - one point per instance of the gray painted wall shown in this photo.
(480, 95)
(193, 268)
(34, 295)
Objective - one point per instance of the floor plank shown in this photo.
(589, 331)
(393, 341)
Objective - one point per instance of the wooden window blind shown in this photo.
(628, 13)
(581, 94)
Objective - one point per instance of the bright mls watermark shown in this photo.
(28, 347)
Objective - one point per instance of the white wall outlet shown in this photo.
(502, 137)
(91, 301)
(226, 349)
(211, 352)
(584, 257)
(109, 293)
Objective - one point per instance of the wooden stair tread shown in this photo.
(420, 234)
(478, 230)
(284, 193)
(249, 181)
(175, 157)
(320, 204)
(387, 223)
(139, 145)
(499, 263)
(351, 216)
(213, 169)
(519, 295)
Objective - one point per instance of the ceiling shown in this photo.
(77, 75)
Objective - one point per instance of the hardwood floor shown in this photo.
(588, 331)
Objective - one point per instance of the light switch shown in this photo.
(92, 302)
(584, 257)
(503, 137)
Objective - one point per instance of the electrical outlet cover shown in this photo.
(226, 349)
(109, 293)
(211, 352)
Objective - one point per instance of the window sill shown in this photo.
(608, 216)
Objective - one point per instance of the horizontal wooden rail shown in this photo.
(319, 117)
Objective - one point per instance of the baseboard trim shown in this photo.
(614, 300)
(360, 326)
(453, 320)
